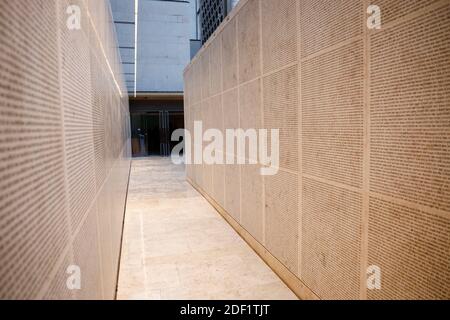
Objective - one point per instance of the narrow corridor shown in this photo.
(176, 245)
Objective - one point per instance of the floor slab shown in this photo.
(177, 246)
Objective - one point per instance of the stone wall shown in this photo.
(364, 119)
(64, 150)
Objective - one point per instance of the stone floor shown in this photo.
(176, 245)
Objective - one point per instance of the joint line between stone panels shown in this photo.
(285, 170)
(215, 95)
(300, 141)
(112, 81)
(261, 108)
(69, 246)
(222, 111)
(239, 111)
(366, 156)
(277, 70)
(333, 183)
(287, 66)
(411, 205)
(242, 84)
(210, 112)
(99, 247)
(333, 47)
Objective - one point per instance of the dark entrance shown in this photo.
(152, 132)
(154, 117)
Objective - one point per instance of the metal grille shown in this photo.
(212, 13)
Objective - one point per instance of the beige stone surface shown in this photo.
(177, 246)
(64, 150)
(364, 141)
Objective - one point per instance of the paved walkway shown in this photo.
(176, 246)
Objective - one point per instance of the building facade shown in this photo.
(154, 40)
(210, 14)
